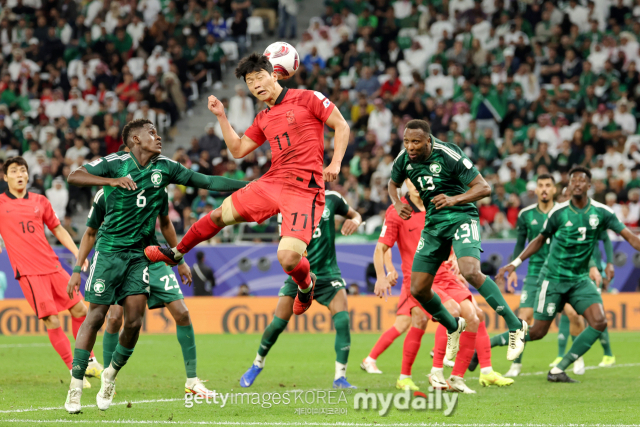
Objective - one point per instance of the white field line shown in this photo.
(338, 424)
(588, 368)
(47, 344)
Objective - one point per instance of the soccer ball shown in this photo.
(284, 58)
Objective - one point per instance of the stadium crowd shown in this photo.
(523, 87)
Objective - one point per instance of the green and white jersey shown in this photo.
(321, 251)
(574, 233)
(130, 216)
(99, 210)
(446, 171)
(529, 224)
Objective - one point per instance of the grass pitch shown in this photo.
(33, 385)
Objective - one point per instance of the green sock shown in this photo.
(271, 335)
(435, 308)
(563, 335)
(343, 336)
(109, 342)
(187, 340)
(500, 340)
(492, 295)
(573, 338)
(580, 346)
(80, 363)
(120, 356)
(606, 344)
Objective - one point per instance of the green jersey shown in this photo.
(529, 224)
(448, 171)
(130, 218)
(321, 251)
(575, 233)
(99, 210)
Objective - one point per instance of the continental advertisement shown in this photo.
(248, 315)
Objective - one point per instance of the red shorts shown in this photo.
(47, 294)
(301, 208)
(407, 302)
(447, 286)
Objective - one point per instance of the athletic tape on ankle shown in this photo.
(227, 212)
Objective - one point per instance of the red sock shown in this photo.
(300, 274)
(467, 347)
(202, 230)
(384, 342)
(440, 347)
(483, 346)
(76, 322)
(410, 350)
(61, 344)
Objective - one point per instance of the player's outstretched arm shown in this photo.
(169, 232)
(478, 189)
(340, 142)
(392, 274)
(63, 236)
(403, 209)
(633, 240)
(87, 242)
(238, 147)
(383, 287)
(533, 247)
(82, 178)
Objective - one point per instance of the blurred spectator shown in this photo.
(203, 279)
(210, 142)
(243, 291)
(58, 196)
(241, 111)
(380, 121)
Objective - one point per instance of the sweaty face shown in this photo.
(17, 177)
(262, 84)
(579, 183)
(149, 139)
(545, 190)
(417, 144)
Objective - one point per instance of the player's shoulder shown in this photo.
(120, 155)
(334, 197)
(99, 197)
(401, 158)
(559, 207)
(528, 209)
(602, 207)
(303, 96)
(164, 160)
(449, 152)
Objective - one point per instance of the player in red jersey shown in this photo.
(293, 123)
(36, 266)
(410, 315)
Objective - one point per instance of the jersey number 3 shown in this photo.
(426, 181)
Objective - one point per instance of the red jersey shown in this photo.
(22, 228)
(294, 127)
(406, 233)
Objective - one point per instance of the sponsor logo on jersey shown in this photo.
(534, 222)
(98, 286)
(594, 221)
(435, 168)
(421, 243)
(291, 117)
(551, 308)
(568, 224)
(156, 178)
(326, 213)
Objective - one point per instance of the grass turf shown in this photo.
(33, 377)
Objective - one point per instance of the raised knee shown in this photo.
(216, 217)
(288, 260)
(480, 314)
(536, 334)
(473, 275)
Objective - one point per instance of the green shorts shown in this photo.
(530, 289)
(553, 295)
(164, 287)
(323, 292)
(436, 242)
(113, 276)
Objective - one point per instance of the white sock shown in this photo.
(434, 369)
(191, 382)
(177, 254)
(110, 373)
(76, 383)
(555, 370)
(341, 370)
(259, 361)
(370, 360)
(306, 290)
(404, 377)
(486, 371)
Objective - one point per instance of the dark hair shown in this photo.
(580, 169)
(199, 256)
(131, 126)
(253, 63)
(546, 176)
(14, 160)
(122, 147)
(419, 124)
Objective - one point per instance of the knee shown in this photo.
(419, 290)
(419, 321)
(182, 317)
(216, 217)
(51, 322)
(536, 333)
(473, 275)
(599, 324)
(472, 322)
(114, 323)
(402, 324)
(78, 310)
(453, 309)
(133, 325)
(289, 259)
(480, 314)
